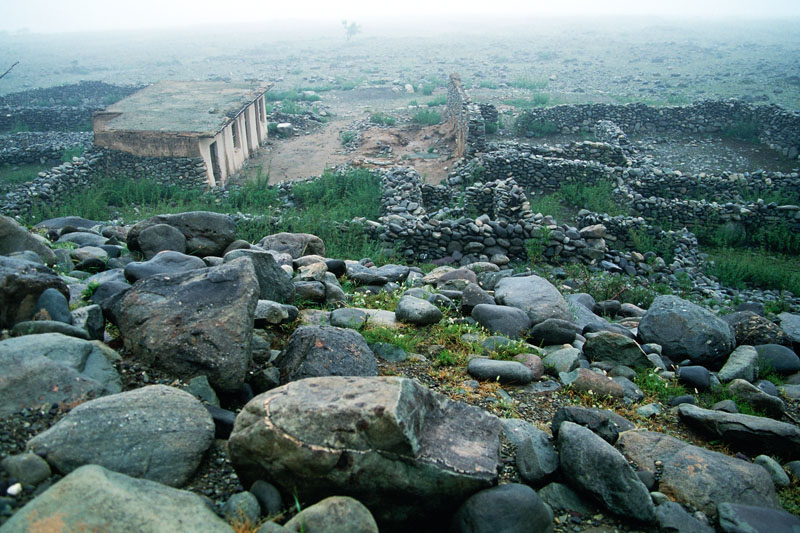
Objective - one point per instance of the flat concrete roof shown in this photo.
(201, 107)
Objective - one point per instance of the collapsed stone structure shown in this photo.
(185, 125)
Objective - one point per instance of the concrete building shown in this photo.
(221, 123)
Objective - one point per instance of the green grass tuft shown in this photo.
(426, 117)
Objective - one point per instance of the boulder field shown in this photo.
(465, 399)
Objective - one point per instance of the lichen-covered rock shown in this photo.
(697, 476)
(403, 451)
(194, 323)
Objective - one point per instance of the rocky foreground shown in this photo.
(138, 362)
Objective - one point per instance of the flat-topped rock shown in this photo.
(697, 476)
(755, 434)
(403, 451)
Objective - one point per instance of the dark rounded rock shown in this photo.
(315, 351)
(511, 508)
(473, 295)
(778, 358)
(501, 371)
(505, 320)
(160, 237)
(167, 262)
(553, 331)
(337, 267)
(695, 377)
(55, 305)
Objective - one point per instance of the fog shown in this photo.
(46, 16)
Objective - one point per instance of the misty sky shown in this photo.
(82, 15)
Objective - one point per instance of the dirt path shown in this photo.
(305, 155)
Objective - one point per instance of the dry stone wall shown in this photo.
(40, 147)
(467, 119)
(61, 108)
(52, 186)
(777, 128)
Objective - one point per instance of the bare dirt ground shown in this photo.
(309, 152)
(309, 155)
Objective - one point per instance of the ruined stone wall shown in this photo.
(52, 186)
(467, 119)
(730, 187)
(777, 128)
(530, 170)
(189, 172)
(40, 147)
(56, 118)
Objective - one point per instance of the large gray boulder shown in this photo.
(405, 452)
(156, 432)
(697, 476)
(95, 499)
(742, 364)
(510, 508)
(756, 434)
(337, 514)
(686, 330)
(21, 284)
(790, 324)
(502, 319)
(752, 329)
(737, 518)
(615, 348)
(167, 262)
(416, 311)
(161, 237)
(195, 323)
(316, 351)
(535, 295)
(591, 464)
(295, 244)
(273, 281)
(206, 233)
(53, 368)
(15, 238)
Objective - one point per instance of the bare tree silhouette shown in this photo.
(3, 75)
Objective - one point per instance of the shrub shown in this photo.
(598, 197)
(428, 88)
(69, 153)
(426, 117)
(536, 246)
(663, 246)
(439, 100)
(382, 119)
(347, 137)
(529, 82)
(491, 128)
(743, 130)
(487, 84)
(526, 125)
(540, 99)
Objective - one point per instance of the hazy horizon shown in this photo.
(100, 15)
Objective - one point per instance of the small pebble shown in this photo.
(14, 489)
